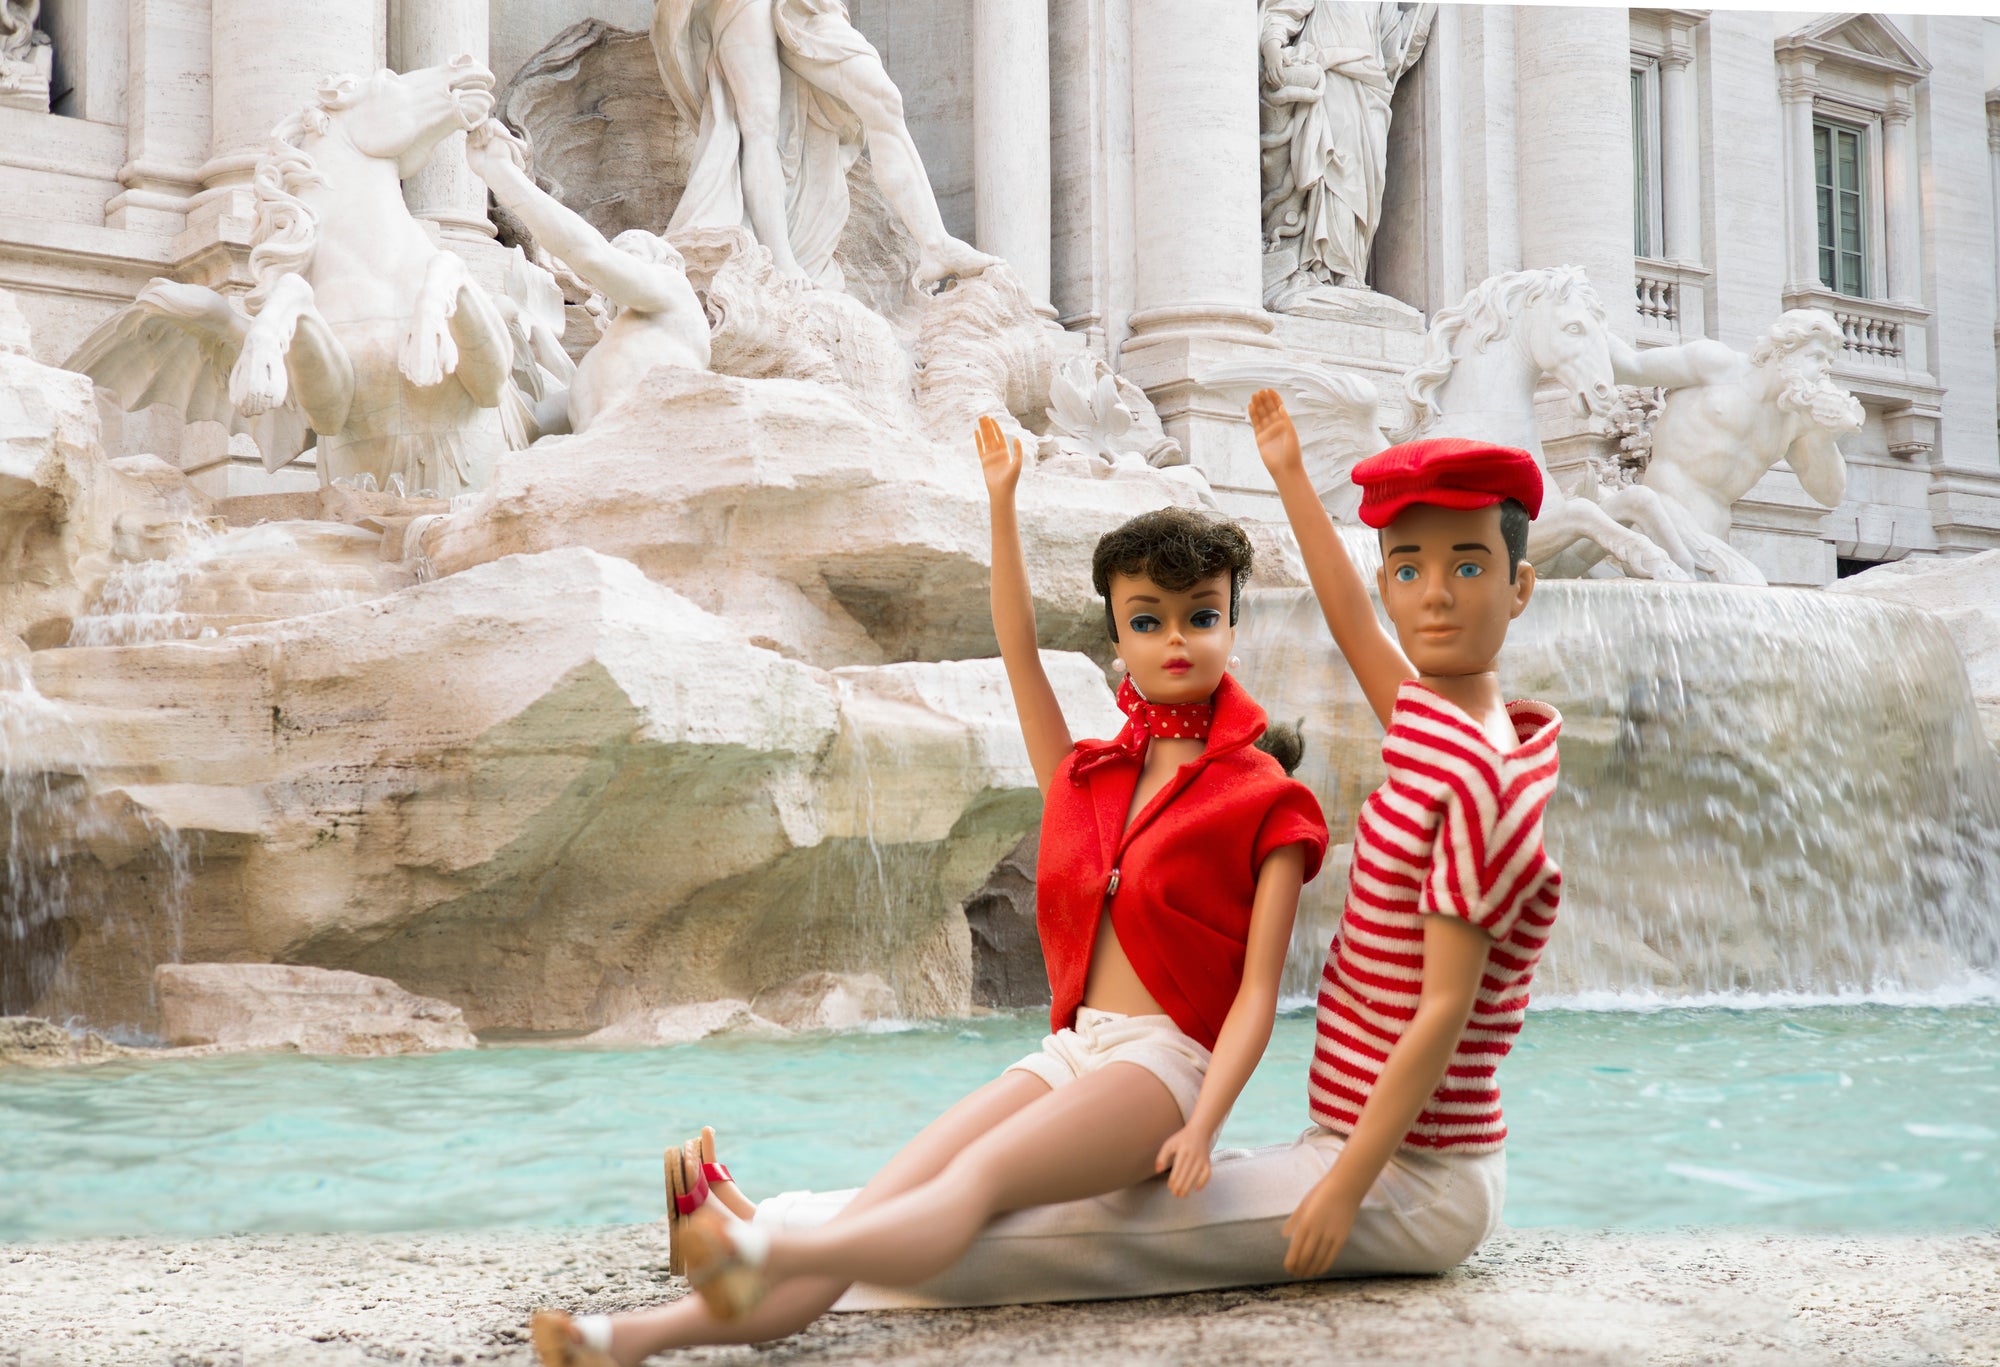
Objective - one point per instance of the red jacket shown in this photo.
(1186, 867)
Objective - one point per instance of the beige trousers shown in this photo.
(1426, 1213)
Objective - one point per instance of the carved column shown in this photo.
(1194, 145)
(1797, 84)
(1900, 198)
(1010, 136)
(1573, 148)
(166, 115)
(426, 33)
(1679, 160)
(1198, 260)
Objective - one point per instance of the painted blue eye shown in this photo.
(1469, 571)
(1406, 574)
(1144, 622)
(1207, 618)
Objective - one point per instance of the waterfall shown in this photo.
(1763, 790)
(74, 851)
(213, 579)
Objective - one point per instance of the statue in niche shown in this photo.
(360, 336)
(1727, 418)
(654, 317)
(787, 93)
(26, 59)
(1329, 70)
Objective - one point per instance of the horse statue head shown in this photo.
(389, 120)
(396, 117)
(1553, 324)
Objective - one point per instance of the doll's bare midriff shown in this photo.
(1113, 984)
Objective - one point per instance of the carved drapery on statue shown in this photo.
(818, 137)
(786, 95)
(1329, 71)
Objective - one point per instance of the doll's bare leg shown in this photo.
(791, 1307)
(1099, 1134)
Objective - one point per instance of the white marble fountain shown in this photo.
(634, 652)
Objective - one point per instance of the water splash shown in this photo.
(215, 578)
(79, 859)
(1765, 791)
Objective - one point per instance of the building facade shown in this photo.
(1709, 168)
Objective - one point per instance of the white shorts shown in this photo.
(1155, 1043)
(1426, 1213)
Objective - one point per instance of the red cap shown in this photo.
(1450, 472)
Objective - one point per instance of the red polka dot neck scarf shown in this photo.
(1168, 721)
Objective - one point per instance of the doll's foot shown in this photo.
(725, 1262)
(720, 1182)
(687, 1191)
(562, 1340)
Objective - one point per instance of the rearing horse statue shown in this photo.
(359, 335)
(1482, 362)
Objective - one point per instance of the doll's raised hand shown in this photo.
(1184, 1158)
(1277, 439)
(999, 458)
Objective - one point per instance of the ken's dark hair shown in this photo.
(1514, 521)
(1176, 548)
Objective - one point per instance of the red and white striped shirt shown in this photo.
(1455, 830)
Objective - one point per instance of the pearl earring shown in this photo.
(1235, 662)
(1117, 664)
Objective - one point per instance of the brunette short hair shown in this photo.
(1176, 548)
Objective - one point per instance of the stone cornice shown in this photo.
(1816, 41)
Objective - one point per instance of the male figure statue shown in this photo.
(659, 321)
(786, 93)
(1728, 418)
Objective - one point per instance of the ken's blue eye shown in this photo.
(1469, 571)
(1406, 574)
(1144, 622)
(1207, 618)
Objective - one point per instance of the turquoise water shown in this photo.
(1828, 1118)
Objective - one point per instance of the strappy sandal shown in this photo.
(687, 1192)
(725, 1262)
(564, 1341)
(720, 1182)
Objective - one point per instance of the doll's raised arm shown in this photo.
(1379, 664)
(1042, 723)
(1246, 1030)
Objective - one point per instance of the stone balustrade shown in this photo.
(1876, 334)
(1669, 299)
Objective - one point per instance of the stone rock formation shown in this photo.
(652, 1027)
(307, 1010)
(828, 1001)
(26, 1042)
(65, 510)
(787, 507)
(546, 790)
